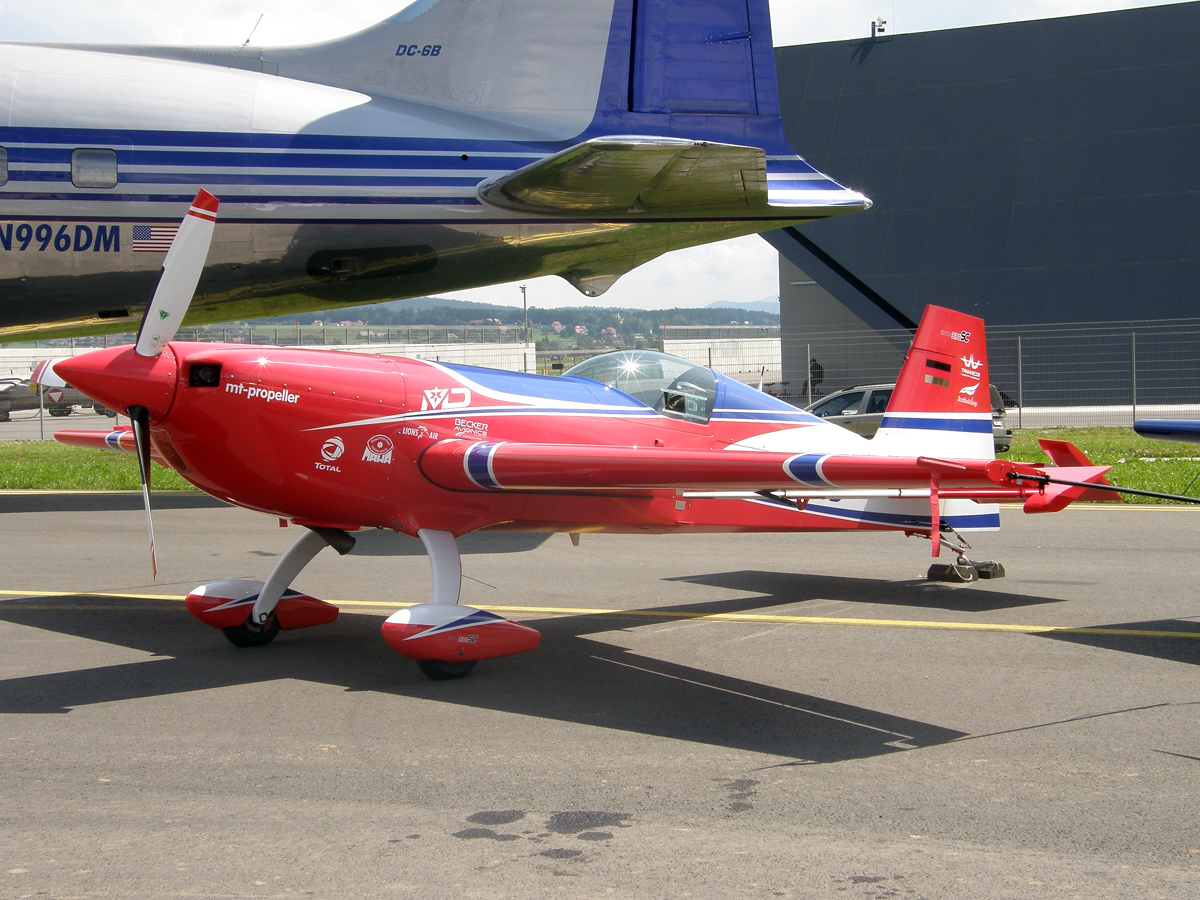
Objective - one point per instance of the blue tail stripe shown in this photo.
(971, 426)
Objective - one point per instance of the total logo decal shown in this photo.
(331, 452)
(971, 366)
(963, 337)
(967, 395)
(257, 392)
(378, 450)
(446, 398)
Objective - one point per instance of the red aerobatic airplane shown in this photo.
(628, 442)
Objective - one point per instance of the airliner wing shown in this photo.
(638, 177)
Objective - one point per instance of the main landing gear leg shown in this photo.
(445, 639)
(446, 564)
(261, 626)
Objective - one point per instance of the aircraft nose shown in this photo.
(118, 378)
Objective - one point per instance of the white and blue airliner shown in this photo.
(459, 143)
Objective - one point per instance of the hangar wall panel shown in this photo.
(1030, 172)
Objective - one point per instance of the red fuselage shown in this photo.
(349, 441)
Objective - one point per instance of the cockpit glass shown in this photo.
(672, 386)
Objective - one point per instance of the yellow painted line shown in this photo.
(98, 492)
(86, 594)
(666, 615)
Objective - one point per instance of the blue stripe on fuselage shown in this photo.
(975, 426)
(478, 465)
(899, 520)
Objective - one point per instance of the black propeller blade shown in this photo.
(140, 417)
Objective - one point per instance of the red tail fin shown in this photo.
(946, 369)
(942, 404)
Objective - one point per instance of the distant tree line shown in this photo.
(625, 322)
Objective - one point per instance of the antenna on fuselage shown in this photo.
(246, 43)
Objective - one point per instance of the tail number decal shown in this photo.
(105, 238)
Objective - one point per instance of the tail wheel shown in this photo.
(249, 634)
(438, 670)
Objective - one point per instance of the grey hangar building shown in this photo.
(1042, 175)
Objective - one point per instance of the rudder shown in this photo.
(942, 402)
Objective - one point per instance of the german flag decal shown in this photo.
(939, 367)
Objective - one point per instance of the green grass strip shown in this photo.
(1137, 463)
(47, 466)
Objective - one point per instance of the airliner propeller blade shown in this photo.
(180, 275)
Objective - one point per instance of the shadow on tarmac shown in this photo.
(374, 542)
(783, 588)
(570, 678)
(102, 501)
(1172, 649)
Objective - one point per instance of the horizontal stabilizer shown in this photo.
(1064, 453)
(1057, 497)
(639, 177)
(44, 374)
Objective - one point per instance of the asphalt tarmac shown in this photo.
(879, 737)
(28, 425)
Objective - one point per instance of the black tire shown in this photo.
(101, 411)
(250, 635)
(59, 411)
(445, 671)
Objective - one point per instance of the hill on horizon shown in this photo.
(443, 311)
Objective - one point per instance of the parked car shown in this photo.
(861, 409)
(16, 393)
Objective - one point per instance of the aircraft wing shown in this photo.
(119, 440)
(639, 177)
(1186, 431)
(483, 466)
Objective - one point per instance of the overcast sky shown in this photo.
(742, 270)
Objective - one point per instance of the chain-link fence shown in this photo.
(747, 354)
(1082, 374)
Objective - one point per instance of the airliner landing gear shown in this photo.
(443, 638)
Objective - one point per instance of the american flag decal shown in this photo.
(153, 238)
